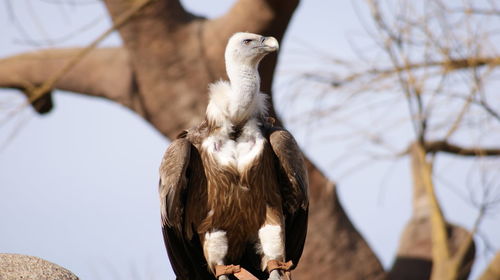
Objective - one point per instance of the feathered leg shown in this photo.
(215, 248)
(272, 243)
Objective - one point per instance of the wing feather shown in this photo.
(292, 163)
(173, 182)
(178, 180)
(294, 190)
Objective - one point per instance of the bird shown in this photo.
(234, 189)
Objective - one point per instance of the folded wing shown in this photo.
(180, 177)
(294, 190)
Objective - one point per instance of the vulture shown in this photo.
(234, 189)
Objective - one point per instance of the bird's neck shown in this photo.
(245, 85)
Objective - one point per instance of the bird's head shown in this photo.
(248, 49)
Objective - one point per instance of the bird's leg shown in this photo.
(275, 275)
(273, 247)
(215, 247)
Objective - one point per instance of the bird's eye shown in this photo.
(247, 41)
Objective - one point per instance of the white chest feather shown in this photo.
(239, 153)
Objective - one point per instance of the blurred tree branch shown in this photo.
(107, 73)
(442, 64)
(443, 146)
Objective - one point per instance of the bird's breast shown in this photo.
(242, 183)
(239, 154)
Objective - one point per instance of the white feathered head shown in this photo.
(248, 48)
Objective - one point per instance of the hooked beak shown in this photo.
(269, 44)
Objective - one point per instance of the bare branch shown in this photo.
(428, 242)
(155, 23)
(35, 92)
(446, 66)
(81, 2)
(444, 146)
(465, 107)
(107, 72)
(458, 262)
(422, 171)
(62, 38)
(49, 84)
(484, 12)
(170, 11)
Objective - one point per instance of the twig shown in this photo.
(40, 91)
(444, 146)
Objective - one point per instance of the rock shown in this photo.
(15, 266)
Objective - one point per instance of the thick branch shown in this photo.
(428, 242)
(459, 263)
(36, 93)
(443, 146)
(440, 250)
(104, 72)
(165, 10)
(269, 17)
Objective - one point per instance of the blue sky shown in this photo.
(79, 185)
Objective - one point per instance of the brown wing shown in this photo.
(294, 190)
(292, 164)
(180, 178)
(173, 183)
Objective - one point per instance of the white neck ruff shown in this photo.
(233, 105)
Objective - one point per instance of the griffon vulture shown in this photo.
(234, 190)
